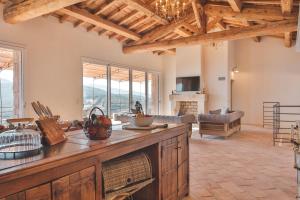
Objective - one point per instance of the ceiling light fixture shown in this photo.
(171, 10)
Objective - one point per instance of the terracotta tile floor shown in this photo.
(244, 166)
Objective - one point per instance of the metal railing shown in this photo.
(268, 113)
(284, 116)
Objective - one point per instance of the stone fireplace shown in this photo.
(188, 103)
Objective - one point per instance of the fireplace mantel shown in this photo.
(175, 99)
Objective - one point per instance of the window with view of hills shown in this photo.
(115, 89)
(9, 84)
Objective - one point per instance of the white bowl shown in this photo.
(142, 121)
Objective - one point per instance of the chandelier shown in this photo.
(171, 9)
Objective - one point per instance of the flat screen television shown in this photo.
(191, 83)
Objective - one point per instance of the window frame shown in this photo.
(21, 64)
(109, 64)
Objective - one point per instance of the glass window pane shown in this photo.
(138, 88)
(153, 94)
(119, 90)
(8, 85)
(94, 87)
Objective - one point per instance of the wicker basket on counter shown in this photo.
(124, 176)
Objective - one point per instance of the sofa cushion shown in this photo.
(217, 118)
(188, 118)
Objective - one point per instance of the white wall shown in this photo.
(207, 61)
(268, 72)
(169, 82)
(216, 64)
(53, 71)
(188, 61)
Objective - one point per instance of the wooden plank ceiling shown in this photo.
(135, 24)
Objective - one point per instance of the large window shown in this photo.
(139, 87)
(153, 93)
(115, 89)
(119, 90)
(10, 84)
(94, 87)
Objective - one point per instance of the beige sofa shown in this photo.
(220, 124)
(188, 119)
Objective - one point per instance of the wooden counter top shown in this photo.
(78, 146)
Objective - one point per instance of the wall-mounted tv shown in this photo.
(191, 83)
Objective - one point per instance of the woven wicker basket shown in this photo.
(126, 175)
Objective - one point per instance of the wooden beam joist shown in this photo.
(257, 13)
(232, 34)
(195, 6)
(212, 24)
(190, 27)
(99, 22)
(146, 9)
(163, 30)
(30, 9)
(288, 39)
(286, 7)
(236, 5)
(182, 32)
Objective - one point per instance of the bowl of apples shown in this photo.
(97, 127)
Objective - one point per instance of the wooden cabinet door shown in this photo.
(78, 186)
(18, 196)
(42, 192)
(169, 165)
(183, 165)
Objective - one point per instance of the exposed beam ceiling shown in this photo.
(257, 13)
(99, 21)
(232, 34)
(161, 30)
(288, 39)
(236, 5)
(286, 8)
(195, 6)
(29, 9)
(182, 32)
(146, 9)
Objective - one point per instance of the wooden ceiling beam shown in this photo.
(236, 5)
(286, 7)
(268, 2)
(212, 24)
(110, 16)
(257, 38)
(146, 26)
(195, 6)
(85, 16)
(63, 18)
(167, 52)
(248, 13)
(232, 34)
(146, 9)
(182, 32)
(288, 39)
(190, 27)
(163, 30)
(29, 9)
(125, 19)
(101, 8)
(221, 25)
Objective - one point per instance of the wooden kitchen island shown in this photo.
(72, 170)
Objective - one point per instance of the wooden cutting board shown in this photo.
(52, 132)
